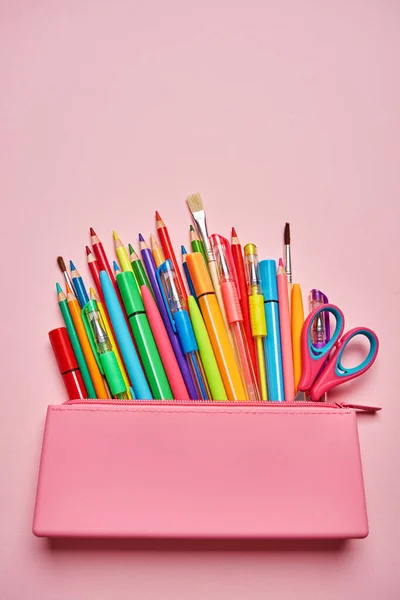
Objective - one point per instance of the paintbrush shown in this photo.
(288, 261)
(63, 269)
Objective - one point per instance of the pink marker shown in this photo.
(165, 349)
(286, 333)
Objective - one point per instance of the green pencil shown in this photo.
(197, 244)
(73, 336)
(139, 270)
(206, 352)
(143, 335)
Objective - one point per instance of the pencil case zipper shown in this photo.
(221, 404)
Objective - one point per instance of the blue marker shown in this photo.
(133, 367)
(273, 350)
(181, 323)
(79, 286)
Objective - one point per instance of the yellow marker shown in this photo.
(297, 326)
(257, 313)
(157, 252)
(112, 340)
(217, 331)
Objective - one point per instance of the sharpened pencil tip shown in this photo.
(281, 262)
(191, 228)
(115, 235)
(131, 249)
(141, 238)
(72, 266)
(233, 233)
(183, 250)
(158, 218)
(92, 294)
(88, 251)
(92, 231)
(58, 288)
(116, 267)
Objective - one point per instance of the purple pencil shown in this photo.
(151, 269)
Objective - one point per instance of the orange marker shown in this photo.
(156, 250)
(95, 374)
(216, 327)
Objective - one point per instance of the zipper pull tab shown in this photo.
(359, 407)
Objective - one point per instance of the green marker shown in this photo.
(206, 352)
(139, 270)
(73, 336)
(143, 335)
(102, 349)
(197, 244)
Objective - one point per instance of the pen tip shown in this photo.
(183, 250)
(287, 233)
(116, 267)
(88, 251)
(233, 233)
(280, 262)
(141, 238)
(72, 266)
(58, 288)
(92, 231)
(131, 249)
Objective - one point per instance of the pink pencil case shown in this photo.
(200, 470)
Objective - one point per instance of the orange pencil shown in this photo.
(168, 250)
(156, 250)
(94, 371)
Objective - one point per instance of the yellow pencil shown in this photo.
(156, 250)
(122, 254)
(112, 340)
(297, 325)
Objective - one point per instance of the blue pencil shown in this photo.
(79, 286)
(187, 273)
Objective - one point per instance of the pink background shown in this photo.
(275, 111)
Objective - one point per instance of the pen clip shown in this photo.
(89, 334)
(162, 290)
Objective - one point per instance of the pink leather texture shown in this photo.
(200, 471)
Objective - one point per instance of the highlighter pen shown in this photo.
(109, 331)
(133, 367)
(73, 336)
(151, 269)
(79, 286)
(297, 322)
(165, 349)
(207, 355)
(142, 333)
(217, 331)
(186, 271)
(229, 290)
(257, 314)
(175, 304)
(67, 364)
(103, 350)
(286, 334)
(273, 352)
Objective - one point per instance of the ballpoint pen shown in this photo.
(143, 335)
(229, 287)
(257, 314)
(180, 321)
(103, 350)
(216, 328)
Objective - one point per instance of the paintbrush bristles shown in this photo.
(287, 234)
(194, 203)
(61, 264)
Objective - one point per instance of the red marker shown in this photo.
(67, 364)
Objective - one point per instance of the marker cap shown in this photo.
(62, 349)
(268, 280)
(199, 274)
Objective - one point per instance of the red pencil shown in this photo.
(237, 254)
(95, 272)
(168, 250)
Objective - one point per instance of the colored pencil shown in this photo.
(122, 254)
(138, 269)
(196, 243)
(150, 266)
(165, 349)
(156, 250)
(168, 250)
(286, 334)
(73, 336)
(79, 286)
(297, 323)
(63, 269)
(238, 260)
(94, 371)
(187, 273)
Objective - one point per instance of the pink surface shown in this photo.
(275, 111)
(144, 471)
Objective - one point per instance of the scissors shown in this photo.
(322, 368)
